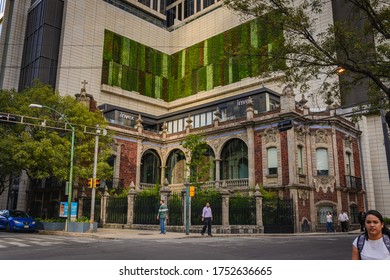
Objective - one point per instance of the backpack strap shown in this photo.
(360, 243)
(386, 240)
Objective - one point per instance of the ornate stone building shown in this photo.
(316, 163)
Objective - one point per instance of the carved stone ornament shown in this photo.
(304, 195)
(301, 133)
(348, 141)
(321, 136)
(270, 135)
(325, 183)
(216, 143)
(288, 91)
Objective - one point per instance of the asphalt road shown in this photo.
(25, 246)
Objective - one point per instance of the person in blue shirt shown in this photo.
(162, 216)
(207, 217)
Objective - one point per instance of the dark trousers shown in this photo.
(207, 224)
(344, 226)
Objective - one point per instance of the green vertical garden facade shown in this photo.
(244, 51)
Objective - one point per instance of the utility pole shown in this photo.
(187, 185)
(92, 218)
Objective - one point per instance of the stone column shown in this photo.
(259, 209)
(139, 127)
(130, 205)
(165, 192)
(217, 172)
(103, 210)
(225, 208)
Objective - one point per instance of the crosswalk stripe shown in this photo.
(19, 244)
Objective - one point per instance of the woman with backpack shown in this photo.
(374, 243)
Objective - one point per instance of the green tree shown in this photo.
(200, 164)
(314, 53)
(40, 145)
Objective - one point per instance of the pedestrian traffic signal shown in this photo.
(97, 183)
(90, 183)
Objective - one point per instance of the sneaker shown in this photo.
(202, 233)
(209, 234)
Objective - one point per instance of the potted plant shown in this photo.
(55, 224)
(81, 225)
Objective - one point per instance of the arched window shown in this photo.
(322, 210)
(322, 162)
(209, 161)
(150, 167)
(234, 160)
(272, 160)
(175, 168)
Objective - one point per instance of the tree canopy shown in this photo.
(200, 163)
(39, 140)
(357, 42)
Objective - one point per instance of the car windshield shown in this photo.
(18, 214)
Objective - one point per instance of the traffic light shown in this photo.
(192, 191)
(90, 183)
(97, 183)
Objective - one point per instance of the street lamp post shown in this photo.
(71, 160)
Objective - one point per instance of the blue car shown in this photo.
(16, 220)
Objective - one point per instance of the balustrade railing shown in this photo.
(353, 183)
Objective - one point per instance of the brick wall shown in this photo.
(258, 159)
(128, 159)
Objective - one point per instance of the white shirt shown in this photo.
(343, 217)
(328, 218)
(373, 250)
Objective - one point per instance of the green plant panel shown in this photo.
(141, 57)
(117, 47)
(133, 80)
(157, 86)
(209, 77)
(125, 78)
(149, 84)
(125, 53)
(194, 81)
(254, 36)
(165, 65)
(108, 45)
(202, 83)
(133, 60)
(217, 75)
(105, 71)
(116, 74)
(228, 57)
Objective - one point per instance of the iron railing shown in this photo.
(353, 183)
(117, 213)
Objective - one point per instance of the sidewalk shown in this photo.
(113, 233)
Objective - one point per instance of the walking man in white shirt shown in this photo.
(207, 217)
(343, 218)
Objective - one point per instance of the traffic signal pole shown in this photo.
(92, 218)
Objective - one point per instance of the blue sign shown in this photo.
(64, 209)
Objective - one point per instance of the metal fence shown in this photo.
(117, 213)
(242, 211)
(176, 210)
(278, 216)
(146, 209)
(87, 209)
(197, 204)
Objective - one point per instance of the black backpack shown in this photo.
(362, 239)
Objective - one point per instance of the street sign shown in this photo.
(64, 209)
